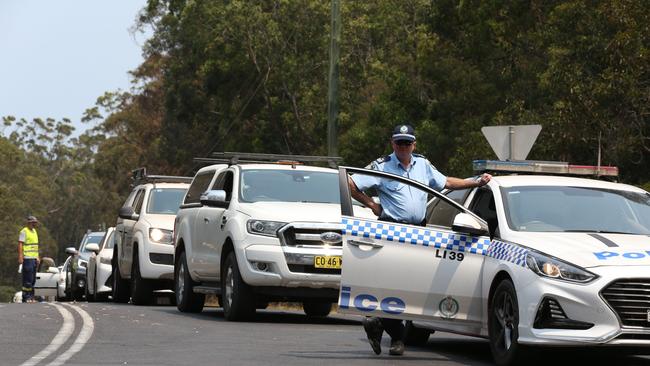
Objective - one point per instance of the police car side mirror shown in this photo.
(71, 250)
(466, 223)
(128, 213)
(92, 247)
(214, 198)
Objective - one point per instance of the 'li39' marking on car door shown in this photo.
(411, 272)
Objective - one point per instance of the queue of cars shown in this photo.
(534, 258)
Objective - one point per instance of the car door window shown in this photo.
(225, 182)
(444, 212)
(441, 213)
(130, 199)
(139, 198)
(199, 185)
(483, 206)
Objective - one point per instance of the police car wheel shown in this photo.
(414, 336)
(238, 298)
(503, 323)
(186, 300)
(317, 309)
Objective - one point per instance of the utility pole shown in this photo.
(333, 87)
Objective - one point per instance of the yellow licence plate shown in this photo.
(327, 261)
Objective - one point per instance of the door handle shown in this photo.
(206, 220)
(224, 220)
(38, 277)
(372, 244)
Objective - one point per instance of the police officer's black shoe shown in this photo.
(396, 348)
(373, 329)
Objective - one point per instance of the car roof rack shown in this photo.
(140, 176)
(543, 167)
(232, 158)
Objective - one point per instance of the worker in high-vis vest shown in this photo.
(28, 257)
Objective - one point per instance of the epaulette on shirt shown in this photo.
(425, 159)
(375, 163)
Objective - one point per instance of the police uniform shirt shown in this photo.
(399, 201)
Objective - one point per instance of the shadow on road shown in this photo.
(267, 316)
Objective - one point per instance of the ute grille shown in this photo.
(306, 237)
(630, 298)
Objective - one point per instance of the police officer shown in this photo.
(28, 257)
(403, 206)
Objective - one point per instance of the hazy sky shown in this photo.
(57, 57)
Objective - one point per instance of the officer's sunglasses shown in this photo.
(403, 142)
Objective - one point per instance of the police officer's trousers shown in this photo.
(29, 278)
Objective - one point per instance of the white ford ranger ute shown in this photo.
(143, 253)
(251, 233)
(525, 261)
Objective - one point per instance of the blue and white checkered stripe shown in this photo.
(417, 236)
(435, 239)
(507, 252)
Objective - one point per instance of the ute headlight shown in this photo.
(549, 267)
(261, 227)
(160, 235)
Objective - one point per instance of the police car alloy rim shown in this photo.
(505, 317)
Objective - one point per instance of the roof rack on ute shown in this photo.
(140, 176)
(231, 158)
(543, 167)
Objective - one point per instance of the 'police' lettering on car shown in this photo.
(603, 256)
(367, 302)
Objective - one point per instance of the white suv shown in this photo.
(254, 233)
(143, 250)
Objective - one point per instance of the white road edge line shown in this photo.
(67, 328)
(79, 343)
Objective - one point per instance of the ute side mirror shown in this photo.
(214, 198)
(92, 247)
(70, 250)
(466, 223)
(128, 213)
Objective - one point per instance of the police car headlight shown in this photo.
(549, 267)
(261, 227)
(160, 235)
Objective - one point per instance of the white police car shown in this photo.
(527, 260)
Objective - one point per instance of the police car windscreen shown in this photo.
(165, 201)
(289, 186)
(576, 209)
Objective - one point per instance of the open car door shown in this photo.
(408, 271)
(47, 278)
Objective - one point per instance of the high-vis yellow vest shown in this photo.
(30, 246)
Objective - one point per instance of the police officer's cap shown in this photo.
(403, 132)
(31, 218)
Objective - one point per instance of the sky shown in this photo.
(57, 57)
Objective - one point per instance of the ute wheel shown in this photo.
(414, 336)
(120, 285)
(141, 291)
(238, 298)
(186, 300)
(317, 309)
(503, 325)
